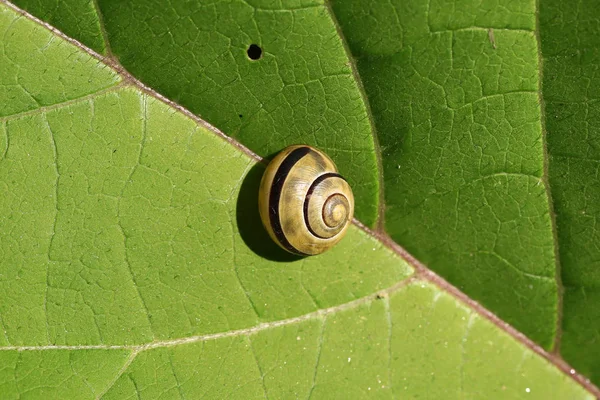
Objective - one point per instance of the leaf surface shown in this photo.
(454, 97)
(301, 91)
(456, 105)
(129, 271)
(78, 19)
(570, 48)
(116, 190)
(460, 83)
(415, 341)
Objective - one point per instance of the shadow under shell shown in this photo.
(250, 225)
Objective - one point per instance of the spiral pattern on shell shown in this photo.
(305, 205)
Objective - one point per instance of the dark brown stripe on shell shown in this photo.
(311, 189)
(275, 195)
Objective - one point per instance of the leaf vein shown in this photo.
(319, 314)
(63, 104)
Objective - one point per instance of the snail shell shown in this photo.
(305, 205)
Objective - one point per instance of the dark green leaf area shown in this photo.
(455, 102)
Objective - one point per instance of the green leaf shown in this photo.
(31, 79)
(456, 98)
(458, 118)
(267, 105)
(456, 108)
(411, 340)
(376, 348)
(129, 235)
(76, 18)
(571, 83)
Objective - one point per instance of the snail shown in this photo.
(304, 204)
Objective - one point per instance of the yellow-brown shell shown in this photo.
(305, 205)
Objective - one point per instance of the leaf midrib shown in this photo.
(421, 271)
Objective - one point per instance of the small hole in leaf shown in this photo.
(254, 52)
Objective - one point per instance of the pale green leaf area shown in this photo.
(134, 204)
(458, 117)
(419, 339)
(57, 374)
(416, 342)
(133, 264)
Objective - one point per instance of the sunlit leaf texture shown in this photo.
(132, 259)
